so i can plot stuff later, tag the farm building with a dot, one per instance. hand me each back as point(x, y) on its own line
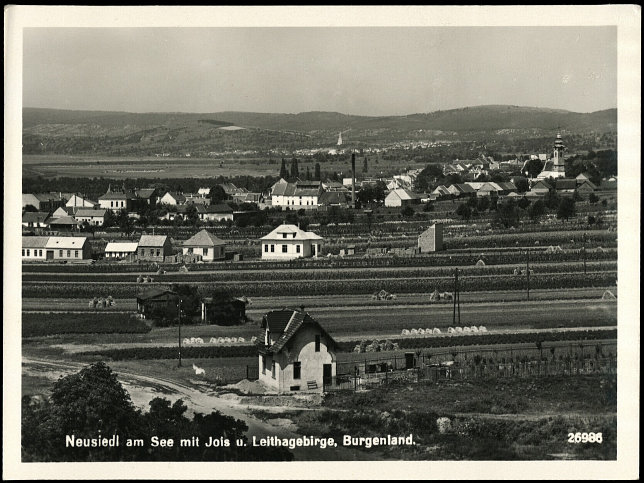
point(223, 310)
point(43, 201)
point(219, 212)
point(154, 248)
point(122, 250)
point(34, 247)
point(564, 185)
point(586, 188)
point(287, 242)
point(431, 240)
point(295, 352)
point(64, 223)
point(35, 219)
point(334, 198)
point(93, 217)
point(206, 245)
point(68, 248)
point(541, 188)
point(196, 199)
point(147, 196)
point(401, 197)
point(157, 302)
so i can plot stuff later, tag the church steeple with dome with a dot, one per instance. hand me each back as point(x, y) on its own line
point(555, 167)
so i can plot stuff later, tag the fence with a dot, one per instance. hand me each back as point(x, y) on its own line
point(467, 371)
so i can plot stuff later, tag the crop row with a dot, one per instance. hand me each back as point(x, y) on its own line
point(494, 339)
point(329, 287)
point(42, 324)
point(330, 274)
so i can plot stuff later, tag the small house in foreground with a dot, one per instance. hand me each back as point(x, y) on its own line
point(295, 352)
point(206, 245)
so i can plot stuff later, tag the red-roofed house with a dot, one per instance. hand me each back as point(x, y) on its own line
point(295, 352)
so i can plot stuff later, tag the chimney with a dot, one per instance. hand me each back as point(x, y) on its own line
point(353, 180)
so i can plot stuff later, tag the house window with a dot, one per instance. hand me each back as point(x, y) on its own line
point(297, 248)
point(266, 248)
point(297, 370)
point(60, 253)
point(263, 364)
point(284, 248)
point(40, 253)
point(69, 253)
point(28, 253)
point(273, 369)
point(76, 253)
point(158, 252)
point(111, 204)
point(272, 248)
point(142, 252)
point(205, 252)
point(317, 343)
point(23, 252)
point(284, 235)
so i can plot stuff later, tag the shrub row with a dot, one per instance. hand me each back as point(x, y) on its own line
point(329, 287)
point(42, 324)
point(147, 353)
point(330, 274)
point(493, 339)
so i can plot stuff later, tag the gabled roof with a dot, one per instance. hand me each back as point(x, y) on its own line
point(71, 242)
point(63, 220)
point(276, 234)
point(34, 241)
point(589, 184)
point(465, 188)
point(145, 193)
point(333, 198)
point(219, 208)
point(176, 196)
point(404, 194)
point(152, 240)
point(583, 176)
point(288, 322)
point(34, 217)
point(542, 184)
point(203, 239)
point(155, 292)
point(566, 184)
point(118, 195)
point(86, 212)
point(121, 247)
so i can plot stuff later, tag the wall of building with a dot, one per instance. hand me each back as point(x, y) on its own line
point(213, 253)
point(291, 249)
point(431, 240)
point(34, 253)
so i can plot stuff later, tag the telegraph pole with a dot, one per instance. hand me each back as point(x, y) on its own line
point(457, 300)
point(179, 332)
point(584, 253)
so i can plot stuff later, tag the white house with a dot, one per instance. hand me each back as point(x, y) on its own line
point(205, 244)
point(34, 248)
point(172, 198)
point(93, 217)
point(302, 194)
point(287, 242)
point(295, 352)
point(121, 249)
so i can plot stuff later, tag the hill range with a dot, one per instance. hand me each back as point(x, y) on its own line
point(54, 131)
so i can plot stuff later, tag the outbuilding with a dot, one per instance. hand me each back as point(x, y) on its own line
point(206, 245)
point(154, 248)
point(287, 242)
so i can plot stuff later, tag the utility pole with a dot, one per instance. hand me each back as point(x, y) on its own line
point(527, 271)
point(179, 332)
point(457, 300)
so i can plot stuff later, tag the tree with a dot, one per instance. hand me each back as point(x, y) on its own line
point(533, 167)
point(521, 183)
point(523, 203)
point(464, 211)
point(109, 219)
point(407, 211)
point(365, 166)
point(124, 222)
point(191, 215)
point(217, 194)
point(593, 198)
point(316, 174)
point(508, 213)
point(283, 171)
point(308, 174)
point(566, 208)
point(482, 203)
point(30, 209)
point(295, 172)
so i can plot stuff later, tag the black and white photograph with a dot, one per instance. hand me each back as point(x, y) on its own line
point(322, 242)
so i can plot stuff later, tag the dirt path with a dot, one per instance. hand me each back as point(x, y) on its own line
point(143, 388)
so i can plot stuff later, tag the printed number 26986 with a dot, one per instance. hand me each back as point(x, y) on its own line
point(585, 438)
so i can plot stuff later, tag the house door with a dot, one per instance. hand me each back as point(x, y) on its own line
point(409, 360)
point(50, 254)
point(313, 249)
point(327, 374)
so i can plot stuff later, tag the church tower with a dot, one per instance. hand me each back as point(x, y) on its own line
point(558, 164)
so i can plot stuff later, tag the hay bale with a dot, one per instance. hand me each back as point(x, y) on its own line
point(608, 295)
point(459, 330)
point(437, 330)
point(421, 331)
point(474, 328)
point(435, 296)
point(213, 340)
point(414, 332)
point(404, 332)
point(450, 330)
point(466, 329)
point(482, 328)
point(480, 263)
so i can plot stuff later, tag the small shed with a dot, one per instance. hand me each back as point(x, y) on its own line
point(156, 302)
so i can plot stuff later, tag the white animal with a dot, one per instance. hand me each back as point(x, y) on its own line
point(405, 332)
point(482, 329)
point(199, 370)
point(451, 330)
point(213, 340)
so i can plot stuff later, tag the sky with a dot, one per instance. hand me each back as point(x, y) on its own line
point(373, 71)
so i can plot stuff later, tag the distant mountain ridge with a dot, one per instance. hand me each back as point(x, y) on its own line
point(54, 131)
